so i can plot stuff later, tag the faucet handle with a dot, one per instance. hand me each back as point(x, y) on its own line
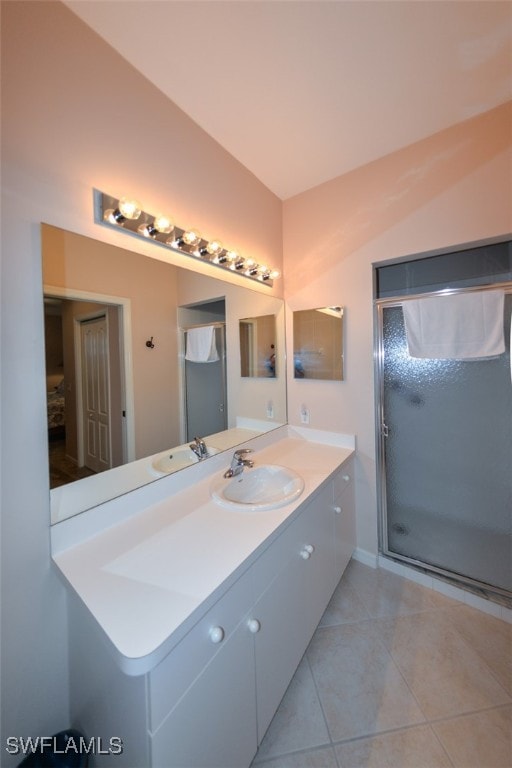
point(242, 452)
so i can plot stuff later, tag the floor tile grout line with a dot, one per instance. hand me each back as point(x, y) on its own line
point(293, 752)
point(471, 713)
point(319, 698)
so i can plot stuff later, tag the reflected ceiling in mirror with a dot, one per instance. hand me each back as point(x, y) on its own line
point(116, 325)
point(318, 343)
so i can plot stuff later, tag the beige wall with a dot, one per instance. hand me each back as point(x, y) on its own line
point(452, 188)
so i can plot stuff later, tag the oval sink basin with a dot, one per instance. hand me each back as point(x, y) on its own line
point(266, 487)
point(175, 459)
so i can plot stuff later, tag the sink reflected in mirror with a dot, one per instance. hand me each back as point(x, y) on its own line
point(176, 458)
point(265, 487)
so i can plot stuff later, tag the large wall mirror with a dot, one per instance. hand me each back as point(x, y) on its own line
point(142, 357)
point(318, 343)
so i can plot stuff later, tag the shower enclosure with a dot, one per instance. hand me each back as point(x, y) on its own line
point(445, 443)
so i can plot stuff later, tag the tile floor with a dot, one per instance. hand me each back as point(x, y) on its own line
point(397, 676)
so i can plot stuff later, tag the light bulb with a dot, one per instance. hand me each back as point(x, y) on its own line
point(232, 255)
point(163, 224)
point(275, 274)
point(214, 247)
point(191, 237)
point(129, 209)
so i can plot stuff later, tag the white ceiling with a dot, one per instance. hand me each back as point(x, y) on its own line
point(301, 91)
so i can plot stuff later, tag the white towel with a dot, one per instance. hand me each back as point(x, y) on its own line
point(456, 326)
point(201, 347)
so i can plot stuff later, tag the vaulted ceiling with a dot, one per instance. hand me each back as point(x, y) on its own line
point(302, 91)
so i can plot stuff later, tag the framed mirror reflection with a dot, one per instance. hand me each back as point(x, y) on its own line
point(318, 343)
point(141, 358)
point(258, 347)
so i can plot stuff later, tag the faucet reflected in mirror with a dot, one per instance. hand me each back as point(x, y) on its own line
point(198, 446)
point(111, 405)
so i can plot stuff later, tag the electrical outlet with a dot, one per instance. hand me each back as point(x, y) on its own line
point(270, 410)
point(304, 414)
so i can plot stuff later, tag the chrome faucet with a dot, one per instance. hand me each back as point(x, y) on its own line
point(238, 462)
point(198, 446)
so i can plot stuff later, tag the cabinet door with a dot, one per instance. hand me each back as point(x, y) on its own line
point(290, 608)
point(281, 639)
point(214, 723)
point(344, 517)
point(320, 569)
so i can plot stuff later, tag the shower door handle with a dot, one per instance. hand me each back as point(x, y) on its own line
point(384, 429)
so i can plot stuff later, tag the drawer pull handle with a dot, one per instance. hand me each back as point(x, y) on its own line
point(254, 626)
point(216, 634)
point(346, 478)
point(307, 551)
point(337, 510)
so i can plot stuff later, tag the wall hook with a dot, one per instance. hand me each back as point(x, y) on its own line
point(149, 343)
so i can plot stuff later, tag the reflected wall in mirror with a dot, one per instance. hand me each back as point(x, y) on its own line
point(258, 347)
point(318, 343)
point(117, 406)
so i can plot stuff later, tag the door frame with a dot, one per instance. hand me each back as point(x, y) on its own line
point(125, 326)
point(381, 427)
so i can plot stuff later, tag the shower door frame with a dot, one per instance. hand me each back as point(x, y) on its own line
point(381, 434)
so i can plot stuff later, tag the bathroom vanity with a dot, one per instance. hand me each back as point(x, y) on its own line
point(188, 619)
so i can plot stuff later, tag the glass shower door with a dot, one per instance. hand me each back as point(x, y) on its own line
point(447, 459)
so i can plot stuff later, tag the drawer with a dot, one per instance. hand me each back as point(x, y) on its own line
point(344, 479)
point(174, 675)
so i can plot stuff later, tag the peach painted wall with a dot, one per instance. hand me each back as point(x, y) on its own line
point(452, 188)
point(75, 115)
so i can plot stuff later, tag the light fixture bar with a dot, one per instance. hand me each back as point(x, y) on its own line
point(127, 215)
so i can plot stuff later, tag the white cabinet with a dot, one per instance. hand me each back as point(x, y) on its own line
point(210, 701)
point(344, 515)
point(205, 683)
point(214, 724)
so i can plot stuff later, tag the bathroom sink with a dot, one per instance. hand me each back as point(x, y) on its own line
point(175, 458)
point(265, 487)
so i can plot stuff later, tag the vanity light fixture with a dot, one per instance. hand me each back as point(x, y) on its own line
point(127, 214)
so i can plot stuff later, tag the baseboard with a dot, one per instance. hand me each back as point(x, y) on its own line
point(445, 588)
point(367, 558)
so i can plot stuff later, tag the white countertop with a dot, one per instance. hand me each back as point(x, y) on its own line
point(148, 578)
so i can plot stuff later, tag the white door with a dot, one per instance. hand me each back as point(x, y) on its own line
point(95, 390)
